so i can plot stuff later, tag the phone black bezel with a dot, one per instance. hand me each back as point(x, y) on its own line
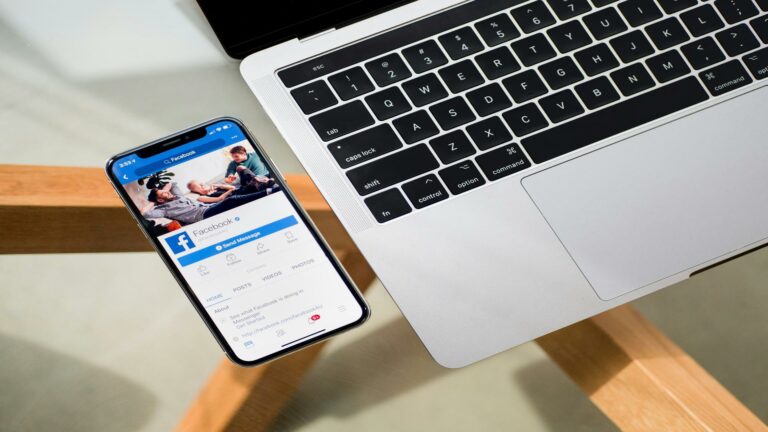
point(187, 135)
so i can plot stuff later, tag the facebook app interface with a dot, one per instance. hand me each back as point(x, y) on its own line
point(238, 242)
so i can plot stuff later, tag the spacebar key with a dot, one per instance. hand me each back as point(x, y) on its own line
point(613, 120)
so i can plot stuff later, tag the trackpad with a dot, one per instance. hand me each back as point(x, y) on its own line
point(664, 201)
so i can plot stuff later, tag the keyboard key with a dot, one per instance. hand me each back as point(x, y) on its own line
point(460, 43)
point(632, 46)
point(525, 119)
point(461, 76)
point(388, 70)
point(632, 79)
point(639, 12)
point(567, 9)
point(489, 99)
point(737, 40)
point(604, 23)
point(497, 29)
point(392, 169)
point(667, 33)
point(561, 106)
point(597, 92)
point(452, 113)
point(415, 127)
point(672, 6)
point(364, 146)
point(525, 86)
point(502, 162)
point(461, 177)
point(341, 121)
point(763, 4)
point(497, 63)
point(388, 205)
point(452, 147)
point(533, 16)
point(351, 83)
point(425, 89)
point(605, 123)
point(725, 77)
point(533, 49)
point(313, 97)
point(667, 66)
point(760, 26)
point(757, 62)
point(736, 10)
point(489, 133)
point(425, 191)
point(561, 72)
point(596, 59)
point(569, 36)
point(601, 3)
point(702, 20)
point(703, 53)
point(388, 103)
point(424, 56)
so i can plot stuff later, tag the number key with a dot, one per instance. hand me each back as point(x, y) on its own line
point(351, 83)
point(424, 56)
point(566, 9)
point(460, 43)
point(497, 29)
point(388, 69)
point(533, 17)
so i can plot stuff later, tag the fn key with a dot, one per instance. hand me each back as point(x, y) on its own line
point(388, 205)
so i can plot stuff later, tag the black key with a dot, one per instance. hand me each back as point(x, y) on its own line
point(601, 3)
point(569, 36)
point(596, 59)
point(525, 119)
point(425, 191)
point(703, 53)
point(425, 89)
point(392, 169)
point(424, 56)
point(388, 205)
point(639, 12)
point(725, 77)
point(351, 83)
point(533, 16)
point(760, 25)
point(460, 43)
point(497, 63)
point(632, 46)
point(365, 146)
point(757, 62)
point(341, 121)
point(702, 20)
point(525, 86)
point(597, 92)
point(461, 76)
point(672, 6)
point(667, 33)
point(388, 69)
point(313, 97)
point(604, 23)
point(561, 72)
point(415, 127)
point(503, 161)
point(388, 103)
point(497, 29)
point(561, 106)
point(489, 133)
point(737, 40)
point(736, 10)
point(667, 66)
point(632, 79)
point(452, 113)
point(533, 49)
point(567, 9)
point(489, 99)
point(615, 119)
point(452, 147)
point(763, 4)
point(461, 177)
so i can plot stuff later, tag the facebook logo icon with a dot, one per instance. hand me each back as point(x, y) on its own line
point(180, 243)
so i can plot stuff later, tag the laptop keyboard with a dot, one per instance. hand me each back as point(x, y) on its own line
point(488, 89)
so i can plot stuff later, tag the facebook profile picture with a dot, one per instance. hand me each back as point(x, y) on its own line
point(180, 243)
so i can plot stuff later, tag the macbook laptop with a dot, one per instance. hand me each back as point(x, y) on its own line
point(510, 167)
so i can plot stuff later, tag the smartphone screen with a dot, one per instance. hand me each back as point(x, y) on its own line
point(238, 242)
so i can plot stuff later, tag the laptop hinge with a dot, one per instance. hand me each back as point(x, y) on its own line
point(318, 34)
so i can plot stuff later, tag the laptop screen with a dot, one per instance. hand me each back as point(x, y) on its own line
point(245, 27)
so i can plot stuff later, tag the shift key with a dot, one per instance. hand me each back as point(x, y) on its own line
point(341, 121)
point(392, 169)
